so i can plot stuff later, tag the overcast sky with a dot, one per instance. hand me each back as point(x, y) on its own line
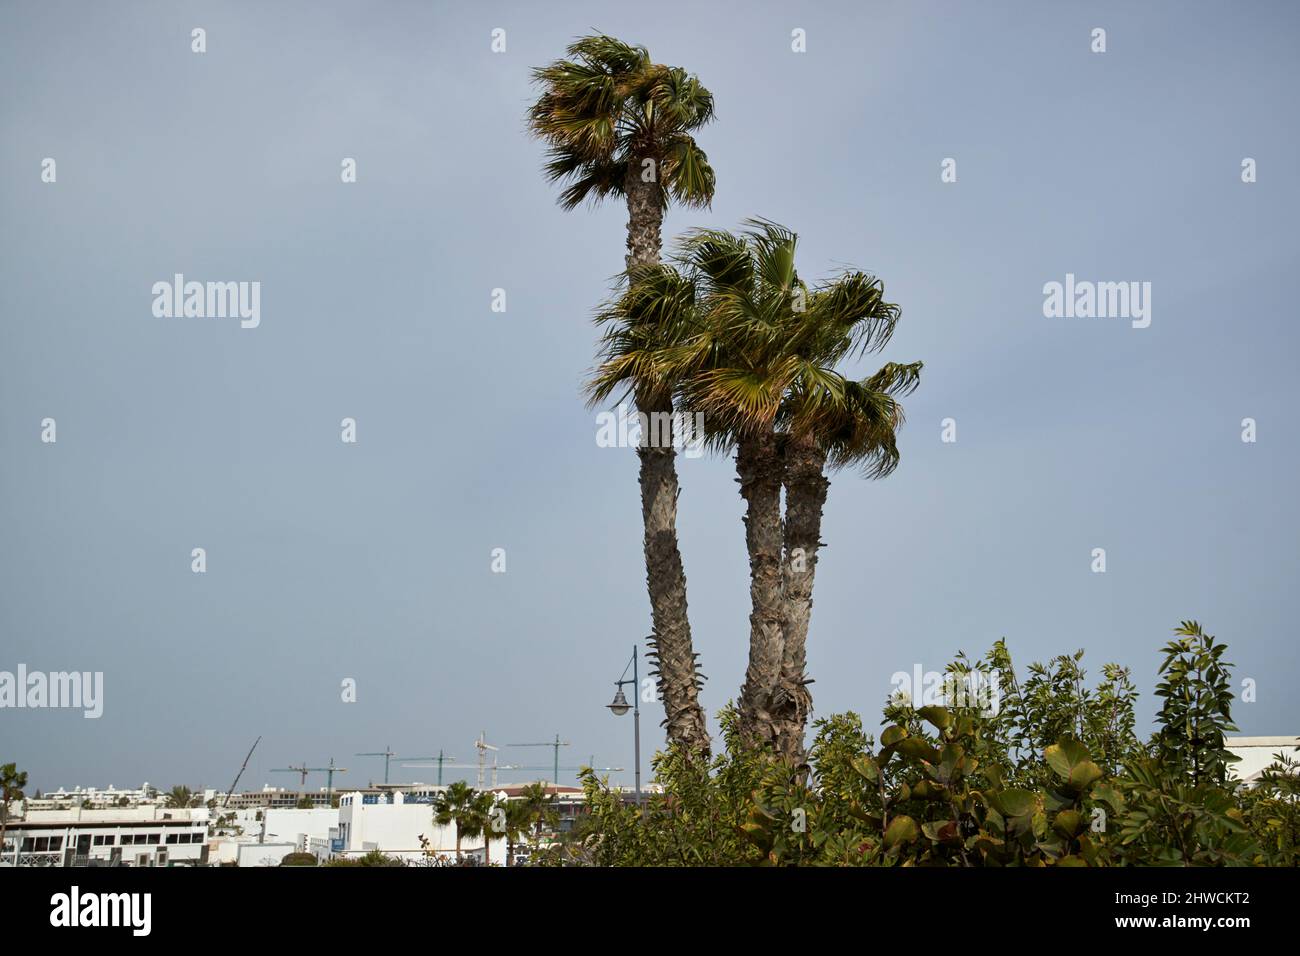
point(372, 561)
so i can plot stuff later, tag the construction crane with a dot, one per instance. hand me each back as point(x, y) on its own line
point(304, 770)
point(386, 753)
point(483, 747)
point(557, 744)
point(558, 769)
point(511, 767)
point(331, 770)
point(441, 758)
point(242, 768)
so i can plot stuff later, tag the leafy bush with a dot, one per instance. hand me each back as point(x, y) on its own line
point(372, 858)
point(1053, 776)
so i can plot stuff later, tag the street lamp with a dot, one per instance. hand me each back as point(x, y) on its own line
point(619, 707)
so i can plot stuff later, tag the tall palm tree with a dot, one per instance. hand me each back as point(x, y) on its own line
point(453, 807)
point(478, 822)
point(750, 344)
point(733, 366)
point(536, 808)
point(618, 124)
point(518, 824)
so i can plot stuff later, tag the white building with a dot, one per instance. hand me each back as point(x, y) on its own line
point(109, 796)
point(114, 836)
point(393, 824)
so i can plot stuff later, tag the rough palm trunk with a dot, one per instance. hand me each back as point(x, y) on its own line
point(759, 471)
point(672, 653)
point(805, 495)
point(645, 214)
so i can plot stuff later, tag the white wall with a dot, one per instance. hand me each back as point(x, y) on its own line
point(1256, 753)
point(298, 826)
point(264, 854)
point(395, 829)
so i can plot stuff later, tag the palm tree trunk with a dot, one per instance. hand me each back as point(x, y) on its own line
point(645, 215)
point(672, 652)
point(759, 471)
point(805, 495)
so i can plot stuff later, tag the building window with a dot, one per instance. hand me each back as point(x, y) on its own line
point(173, 837)
point(154, 838)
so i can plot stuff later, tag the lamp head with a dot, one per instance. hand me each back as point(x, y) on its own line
point(620, 705)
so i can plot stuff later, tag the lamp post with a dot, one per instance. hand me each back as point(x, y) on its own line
point(620, 707)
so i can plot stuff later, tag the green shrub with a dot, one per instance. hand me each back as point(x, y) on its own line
point(1053, 776)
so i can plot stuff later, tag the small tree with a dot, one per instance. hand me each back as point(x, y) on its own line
point(12, 782)
point(1197, 711)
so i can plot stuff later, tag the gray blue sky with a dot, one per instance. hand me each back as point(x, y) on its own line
point(328, 561)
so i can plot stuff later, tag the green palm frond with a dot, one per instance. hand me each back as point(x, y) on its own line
point(721, 331)
point(609, 105)
point(687, 174)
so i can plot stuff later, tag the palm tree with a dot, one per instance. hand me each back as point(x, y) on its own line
point(479, 821)
point(743, 339)
point(640, 322)
point(733, 366)
point(180, 797)
point(12, 782)
point(618, 124)
point(525, 815)
point(452, 807)
point(518, 823)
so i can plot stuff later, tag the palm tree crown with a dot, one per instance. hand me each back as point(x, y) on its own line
point(607, 109)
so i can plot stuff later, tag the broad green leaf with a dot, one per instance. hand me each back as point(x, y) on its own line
point(902, 829)
point(1014, 802)
point(892, 735)
point(939, 716)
